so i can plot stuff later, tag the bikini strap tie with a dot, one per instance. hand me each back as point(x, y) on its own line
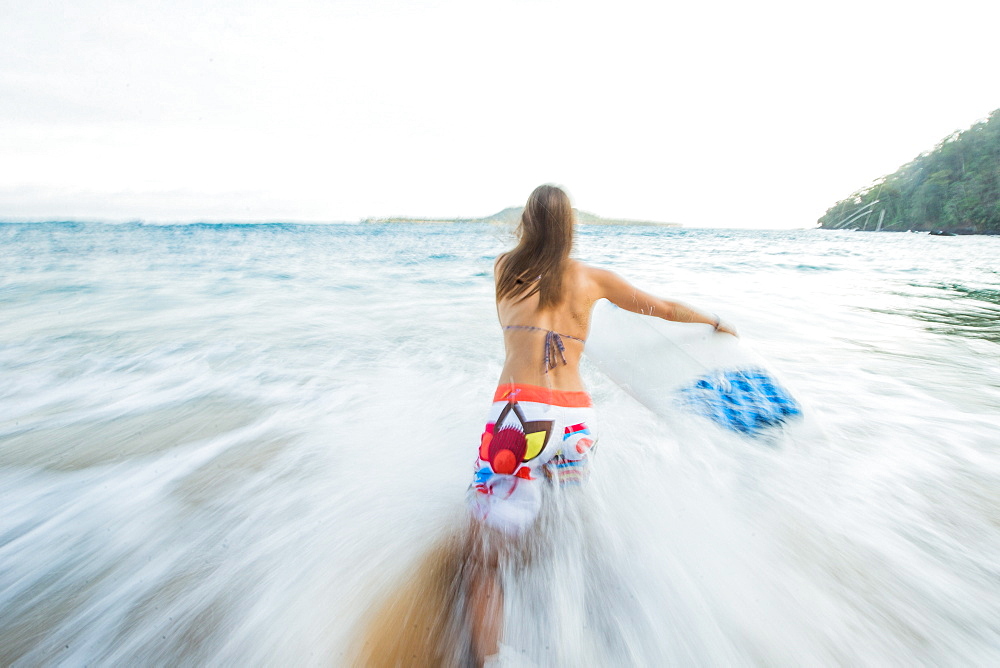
point(554, 345)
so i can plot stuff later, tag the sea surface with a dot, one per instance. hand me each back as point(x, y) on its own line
point(220, 444)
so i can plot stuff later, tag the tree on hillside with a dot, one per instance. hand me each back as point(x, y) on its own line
point(954, 187)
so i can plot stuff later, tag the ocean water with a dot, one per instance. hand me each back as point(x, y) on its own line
point(219, 444)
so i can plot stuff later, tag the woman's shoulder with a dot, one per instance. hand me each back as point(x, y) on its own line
point(585, 271)
point(583, 278)
point(499, 262)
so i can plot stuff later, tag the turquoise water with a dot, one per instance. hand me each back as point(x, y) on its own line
point(219, 442)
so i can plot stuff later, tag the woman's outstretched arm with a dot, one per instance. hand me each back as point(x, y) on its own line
point(619, 291)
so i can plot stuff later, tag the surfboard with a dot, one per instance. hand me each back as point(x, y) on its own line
point(669, 365)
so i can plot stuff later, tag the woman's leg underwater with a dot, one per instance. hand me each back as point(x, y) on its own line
point(485, 592)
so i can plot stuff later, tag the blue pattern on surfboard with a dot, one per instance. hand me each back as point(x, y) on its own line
point(744, 400)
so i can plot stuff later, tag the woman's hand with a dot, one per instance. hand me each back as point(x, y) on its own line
point(726, 328)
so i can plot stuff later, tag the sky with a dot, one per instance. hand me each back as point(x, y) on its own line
point(711, 114)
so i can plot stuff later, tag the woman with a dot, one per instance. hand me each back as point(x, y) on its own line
point(539, 432)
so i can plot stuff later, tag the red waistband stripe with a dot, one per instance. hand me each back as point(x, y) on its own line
point(542, 395)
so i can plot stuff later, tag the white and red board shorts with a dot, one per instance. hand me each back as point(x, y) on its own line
point(534, 436)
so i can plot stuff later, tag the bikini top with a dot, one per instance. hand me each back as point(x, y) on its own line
point(553, 344)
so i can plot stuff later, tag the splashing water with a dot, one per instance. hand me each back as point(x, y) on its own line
point(223, 444)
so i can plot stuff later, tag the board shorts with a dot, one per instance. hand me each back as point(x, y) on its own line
point(535, 439)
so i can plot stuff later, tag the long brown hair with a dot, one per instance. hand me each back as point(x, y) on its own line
point(545, 239)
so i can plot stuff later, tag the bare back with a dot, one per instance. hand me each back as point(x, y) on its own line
point(525, 362)
point(525, 325)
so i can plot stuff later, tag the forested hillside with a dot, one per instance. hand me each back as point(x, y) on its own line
point(953, 188)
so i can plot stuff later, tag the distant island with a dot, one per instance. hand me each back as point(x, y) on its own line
point(512, 215)
point(952, 189)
